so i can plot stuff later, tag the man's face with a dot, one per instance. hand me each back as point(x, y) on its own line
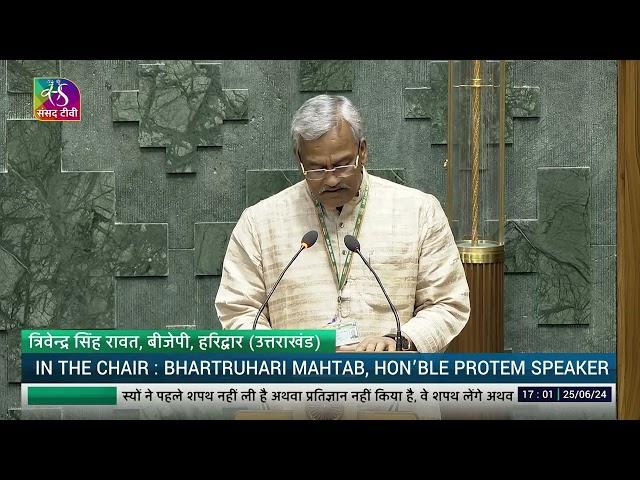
point(335, 148)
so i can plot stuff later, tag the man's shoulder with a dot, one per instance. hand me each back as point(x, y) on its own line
point(292, 195)
point(403, 192)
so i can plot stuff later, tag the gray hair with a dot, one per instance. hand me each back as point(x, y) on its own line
point(320, 114)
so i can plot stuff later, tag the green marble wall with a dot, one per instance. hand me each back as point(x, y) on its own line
point(122, 220)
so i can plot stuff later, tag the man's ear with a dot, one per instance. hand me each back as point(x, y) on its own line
point(364, 152)
point(296, 157)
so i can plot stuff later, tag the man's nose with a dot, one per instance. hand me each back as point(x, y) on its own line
point(331, 179)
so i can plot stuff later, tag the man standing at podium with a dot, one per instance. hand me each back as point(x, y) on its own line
point(403, 233)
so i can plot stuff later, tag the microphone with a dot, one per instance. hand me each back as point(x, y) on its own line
point(353, 244)
point(308, 240)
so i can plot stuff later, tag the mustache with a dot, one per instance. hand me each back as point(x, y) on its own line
point(328, 189)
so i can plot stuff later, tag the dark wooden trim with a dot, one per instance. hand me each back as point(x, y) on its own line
point(628, 233)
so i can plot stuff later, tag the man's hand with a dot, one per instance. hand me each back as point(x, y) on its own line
point(371, 344)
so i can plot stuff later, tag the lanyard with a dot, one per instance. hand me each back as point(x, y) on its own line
point(341, 279)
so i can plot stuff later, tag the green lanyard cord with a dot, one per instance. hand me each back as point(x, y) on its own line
point(342, 280)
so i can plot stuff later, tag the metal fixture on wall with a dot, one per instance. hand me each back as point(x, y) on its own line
point(475, 194)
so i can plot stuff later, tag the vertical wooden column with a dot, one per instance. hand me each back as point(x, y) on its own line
point(484, 331)
point(628, 233)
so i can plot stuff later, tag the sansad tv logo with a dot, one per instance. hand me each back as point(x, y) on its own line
point(56, 100)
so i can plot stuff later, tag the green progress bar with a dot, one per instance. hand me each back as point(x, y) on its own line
point(73, 396)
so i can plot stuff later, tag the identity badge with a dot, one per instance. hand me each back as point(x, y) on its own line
point(346, 334)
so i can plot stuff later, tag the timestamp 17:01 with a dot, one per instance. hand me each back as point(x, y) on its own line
point(564, 394)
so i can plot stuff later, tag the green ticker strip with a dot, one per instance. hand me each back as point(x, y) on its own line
point(73, 395)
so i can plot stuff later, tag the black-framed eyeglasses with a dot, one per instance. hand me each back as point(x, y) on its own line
point(342, 171)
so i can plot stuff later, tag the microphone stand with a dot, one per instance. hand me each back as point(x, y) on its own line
point(255, 322)
point(393, 308)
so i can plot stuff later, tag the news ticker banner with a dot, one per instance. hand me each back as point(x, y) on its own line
point(297, 373)
point(323, 401)
point(177, 341)
point(308, 368)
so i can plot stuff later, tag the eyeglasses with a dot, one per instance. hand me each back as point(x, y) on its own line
point(340, 172)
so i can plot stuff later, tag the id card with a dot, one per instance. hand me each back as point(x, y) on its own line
point(346, 332)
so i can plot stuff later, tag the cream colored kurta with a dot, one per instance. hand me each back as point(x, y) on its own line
point(404, 235)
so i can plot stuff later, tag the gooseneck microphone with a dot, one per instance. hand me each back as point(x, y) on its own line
point(353, 244)
point(307, 242)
